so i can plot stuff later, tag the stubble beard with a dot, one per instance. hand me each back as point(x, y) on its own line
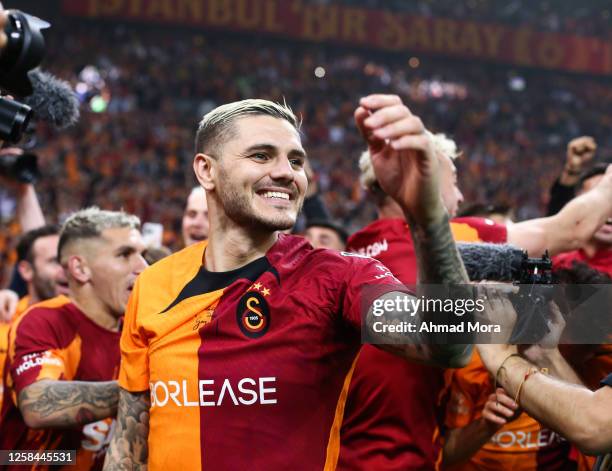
point(239, 209)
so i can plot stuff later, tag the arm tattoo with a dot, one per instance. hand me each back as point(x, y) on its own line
point(439, 263)
point(128, 449)
point(68, 403)
point(438, 260)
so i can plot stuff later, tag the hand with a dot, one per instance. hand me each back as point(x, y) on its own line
point(16, 187)
point(499, 410)
point(580, 152)
point(8, 304)
point(547, 347)
point(403, 159)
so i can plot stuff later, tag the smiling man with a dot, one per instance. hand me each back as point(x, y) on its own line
point(249, 339)
point(64, 352)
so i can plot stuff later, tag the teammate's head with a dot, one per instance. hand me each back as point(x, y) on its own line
point(250, 160)
point(38, 265)
point(195, 217)
point(587, 182)
point(323, 234)
point(446, 151)
point(101, 252)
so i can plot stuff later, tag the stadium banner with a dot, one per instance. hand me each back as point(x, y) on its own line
point(379, 29)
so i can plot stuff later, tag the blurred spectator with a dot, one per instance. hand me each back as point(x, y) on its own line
point(325, 234)
point(195, 217)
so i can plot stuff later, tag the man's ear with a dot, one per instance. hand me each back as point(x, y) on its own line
point(205, 168)
point(26, 270)
point(78, 268)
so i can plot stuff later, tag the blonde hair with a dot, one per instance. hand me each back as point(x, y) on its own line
point(217, 125)
point(89, 223)
point(442, 145)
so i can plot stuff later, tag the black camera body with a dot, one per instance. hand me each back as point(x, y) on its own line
point(24, 50)
point(536, 290)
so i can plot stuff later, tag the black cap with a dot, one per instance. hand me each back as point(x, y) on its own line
point(342, 233)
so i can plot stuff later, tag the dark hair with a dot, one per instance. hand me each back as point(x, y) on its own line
point(479, 209)
point(27, 240)
point(597, 169)
point(337, 228)
point(581, 274)
point(89, 223)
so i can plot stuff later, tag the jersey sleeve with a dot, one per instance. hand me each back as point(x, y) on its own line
point(607, 380)
point(486, 229)
point(134, 370)
point(469, 390)
point(365, 280)
point(37, 351)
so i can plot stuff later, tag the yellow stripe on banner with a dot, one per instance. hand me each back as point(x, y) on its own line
point(333, 445)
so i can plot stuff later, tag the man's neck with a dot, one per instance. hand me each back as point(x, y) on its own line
point(32, 296)
point(234, 247)
point(90, 305)
point(390, 210)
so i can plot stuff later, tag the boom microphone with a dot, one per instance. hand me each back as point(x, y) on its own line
point(52, 100)
point(494, 262)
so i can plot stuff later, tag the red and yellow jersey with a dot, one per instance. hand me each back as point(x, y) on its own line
point(601, 261)
point(247, 369)
point(394, 407)
point(54, 340)
point(522, 444)
point(22, 306)
point(389, 240)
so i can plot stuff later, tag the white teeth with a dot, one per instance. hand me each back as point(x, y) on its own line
point(276, 194)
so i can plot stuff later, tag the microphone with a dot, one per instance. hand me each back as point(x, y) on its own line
point(494, 262)
point(52, 100)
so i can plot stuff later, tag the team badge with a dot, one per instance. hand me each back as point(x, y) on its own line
point(253, 314)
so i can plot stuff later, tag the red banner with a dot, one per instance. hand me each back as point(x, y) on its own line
point(363, 27)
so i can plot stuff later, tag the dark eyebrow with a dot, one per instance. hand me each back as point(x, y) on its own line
point(274, 150)
point(125, 249)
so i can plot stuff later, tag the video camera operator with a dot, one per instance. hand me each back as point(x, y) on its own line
point(582, 416)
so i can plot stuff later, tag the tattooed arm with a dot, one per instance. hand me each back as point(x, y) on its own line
point(439, 263)
point(129, 447)
point(49, 403)
point(406, 167)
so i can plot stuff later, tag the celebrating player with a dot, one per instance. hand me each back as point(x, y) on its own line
point(250, 338)
point(64, 352)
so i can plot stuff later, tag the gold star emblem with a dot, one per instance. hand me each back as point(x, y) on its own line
point(257, 286)
point(265, 291)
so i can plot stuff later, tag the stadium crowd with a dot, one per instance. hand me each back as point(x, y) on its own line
point(70, 383)
point(507, 123)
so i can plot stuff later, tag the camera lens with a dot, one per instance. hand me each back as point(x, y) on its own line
point(14, 119)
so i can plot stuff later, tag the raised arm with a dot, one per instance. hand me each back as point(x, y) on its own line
point(569, 229)
point(128, 449)
point(406, 168)
point(49, 403)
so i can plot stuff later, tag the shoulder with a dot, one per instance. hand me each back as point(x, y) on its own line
point(183, 264)
point(473, 229)
point(45, 322)
point(294, 255)
point(376, 233)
